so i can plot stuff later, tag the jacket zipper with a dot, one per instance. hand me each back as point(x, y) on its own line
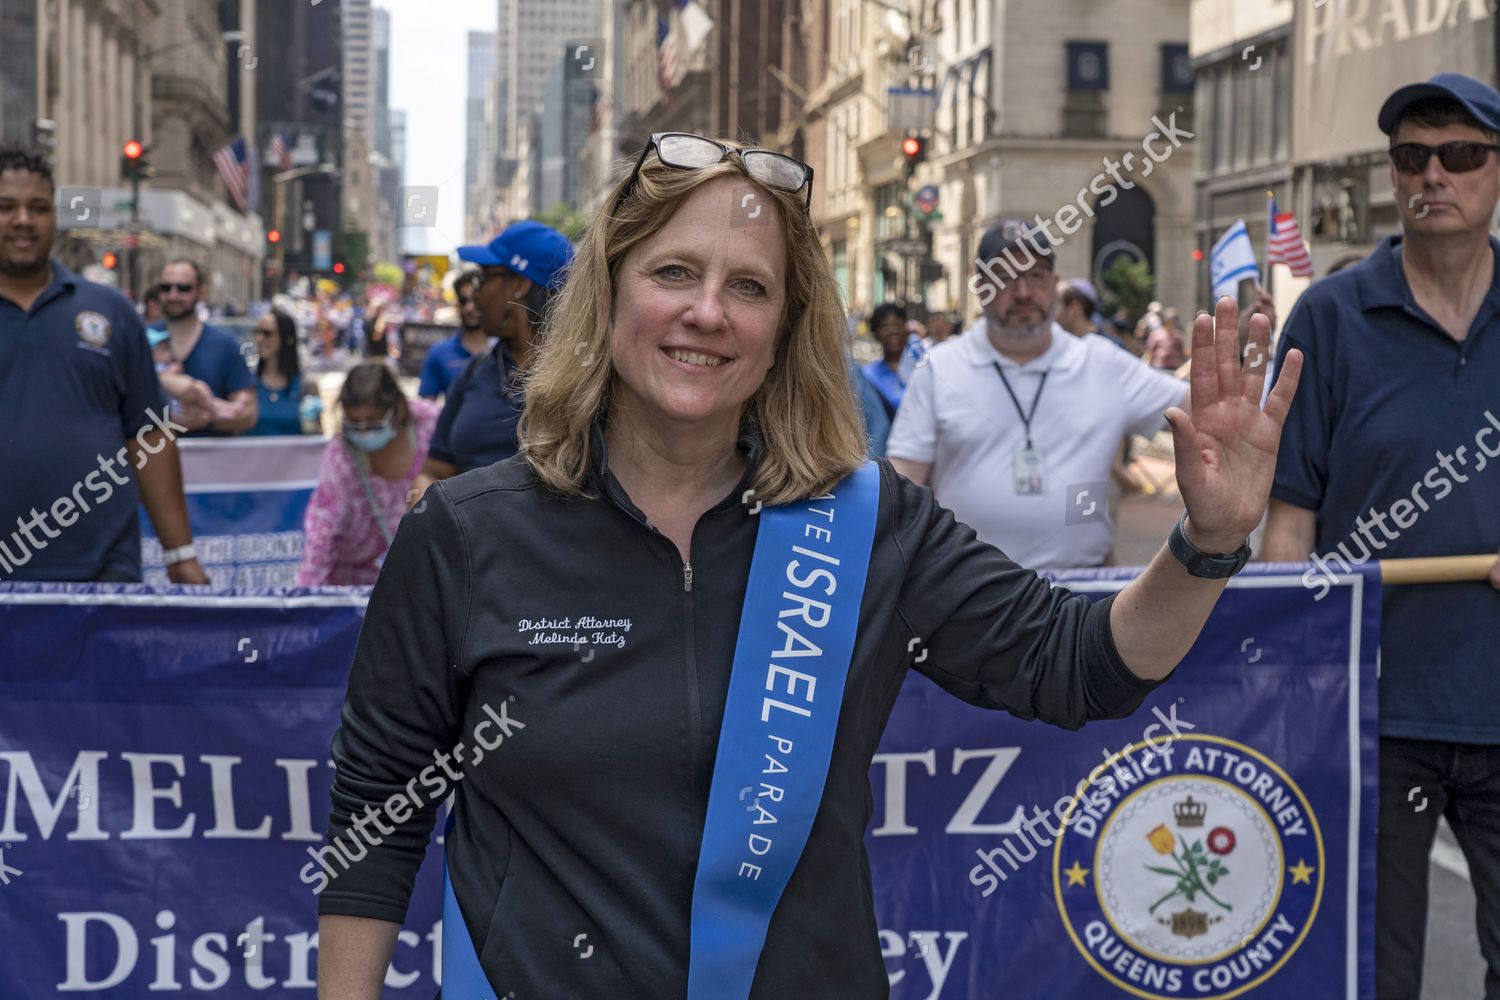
point(695, 713)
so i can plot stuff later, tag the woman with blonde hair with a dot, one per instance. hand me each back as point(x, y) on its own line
point(654, 652)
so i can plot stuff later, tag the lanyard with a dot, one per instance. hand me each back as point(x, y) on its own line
point(1025, 417)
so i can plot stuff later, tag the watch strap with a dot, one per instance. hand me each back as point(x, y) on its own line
point(1207, 565)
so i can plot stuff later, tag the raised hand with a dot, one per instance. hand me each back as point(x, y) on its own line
point(1226, 451)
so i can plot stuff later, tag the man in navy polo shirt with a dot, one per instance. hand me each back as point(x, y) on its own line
point(448, 358)
point(521, 270)
point(207, 353)
point(1390, 450)
point(84, 432)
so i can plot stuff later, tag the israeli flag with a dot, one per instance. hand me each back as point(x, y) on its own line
point(912, 358)
point(1233, 259)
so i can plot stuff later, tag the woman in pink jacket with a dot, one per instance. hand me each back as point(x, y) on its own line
point(368, 471)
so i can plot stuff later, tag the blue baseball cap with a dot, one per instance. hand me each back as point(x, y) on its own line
point(154, 335)
point(1478, 99)
point(530, 249)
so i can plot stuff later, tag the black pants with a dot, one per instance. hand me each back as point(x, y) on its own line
point(1460, 781)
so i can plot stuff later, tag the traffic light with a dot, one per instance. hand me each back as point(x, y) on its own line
point(274, 236)
point(338, 267)
point(914, 148)
point(134, 166)
point(111, 260)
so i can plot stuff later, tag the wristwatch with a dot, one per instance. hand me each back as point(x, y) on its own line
point(180, 554)
point(1207, 565)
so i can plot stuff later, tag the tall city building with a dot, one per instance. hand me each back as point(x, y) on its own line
point(380, 80)
point(299, 89)
point(363, 212)
point(480, 146)
point(535, 32)
point(1021, 108)
point(358, 71)
point(398, 141)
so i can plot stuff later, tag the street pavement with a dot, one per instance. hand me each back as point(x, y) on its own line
point(1452, 969)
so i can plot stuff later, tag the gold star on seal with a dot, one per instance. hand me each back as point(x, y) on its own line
point(1301, 873)
point(1077, 874)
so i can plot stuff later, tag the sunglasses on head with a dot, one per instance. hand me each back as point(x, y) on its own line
point(1456, 157)
point(167, 287)
point(686, 151)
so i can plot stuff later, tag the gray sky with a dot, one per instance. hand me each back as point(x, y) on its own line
point(429, 78)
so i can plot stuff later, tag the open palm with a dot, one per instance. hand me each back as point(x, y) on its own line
point(1226, 450)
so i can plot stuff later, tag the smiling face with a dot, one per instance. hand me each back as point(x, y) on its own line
point(697, 312)
point(27, 222)
point(1435, 202)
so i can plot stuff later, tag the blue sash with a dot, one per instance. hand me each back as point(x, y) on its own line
point(797, 634)
point(463, 979)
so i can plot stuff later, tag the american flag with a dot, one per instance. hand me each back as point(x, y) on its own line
point(1284, 243)
point(233, 163)
point(599, 108)
point(281, 151)
point(666, 57)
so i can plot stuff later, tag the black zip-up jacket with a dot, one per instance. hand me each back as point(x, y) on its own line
point(588, 819)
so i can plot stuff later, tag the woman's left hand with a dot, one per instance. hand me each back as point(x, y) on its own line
point(1226, 450)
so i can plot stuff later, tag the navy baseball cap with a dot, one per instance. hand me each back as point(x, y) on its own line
point(1015, 235)
point(1479, 99)
point(530, 249)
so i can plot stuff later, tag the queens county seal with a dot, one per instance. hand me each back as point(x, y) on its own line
point(93, 329)
point(1197, 877)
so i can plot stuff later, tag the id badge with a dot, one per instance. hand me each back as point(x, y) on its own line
point(1029, 471)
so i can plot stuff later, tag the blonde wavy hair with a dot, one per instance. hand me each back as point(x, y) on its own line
point(804, 411)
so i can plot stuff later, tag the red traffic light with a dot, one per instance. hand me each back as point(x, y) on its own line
point(110, 261)
point(911, 146)
point(1197, 254)
point(338, 267)
point(274, 236)
point(134, 150)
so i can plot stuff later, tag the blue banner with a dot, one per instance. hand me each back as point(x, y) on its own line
point(1219, 842)
point(165, 774)
point(246, 498)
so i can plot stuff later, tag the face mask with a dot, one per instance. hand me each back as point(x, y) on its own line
point(368, 441)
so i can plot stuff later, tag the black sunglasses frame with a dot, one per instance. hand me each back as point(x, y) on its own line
point(168, 287)
point(1443, 151)
point(656, 137)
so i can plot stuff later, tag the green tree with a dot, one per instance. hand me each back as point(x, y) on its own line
point(565, 219)
point(1129, 283)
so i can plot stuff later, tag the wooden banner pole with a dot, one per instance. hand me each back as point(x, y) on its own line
point(1436, 569)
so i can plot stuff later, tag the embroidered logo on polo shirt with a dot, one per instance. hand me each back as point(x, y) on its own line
point(93, 329)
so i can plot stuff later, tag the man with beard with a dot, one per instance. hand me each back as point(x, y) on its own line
point(447, 360)
point(1016, 422)
point(84, 433)
point(207, 353)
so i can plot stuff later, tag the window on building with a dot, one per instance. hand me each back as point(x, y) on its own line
point(841, 268)
point(1207, 90)
point(889, 221)
point(1084, 112)
point(1224, 119)
point(1177, 81)
point(1246, 101)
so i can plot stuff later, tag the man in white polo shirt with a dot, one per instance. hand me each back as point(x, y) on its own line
point(1015, 423)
